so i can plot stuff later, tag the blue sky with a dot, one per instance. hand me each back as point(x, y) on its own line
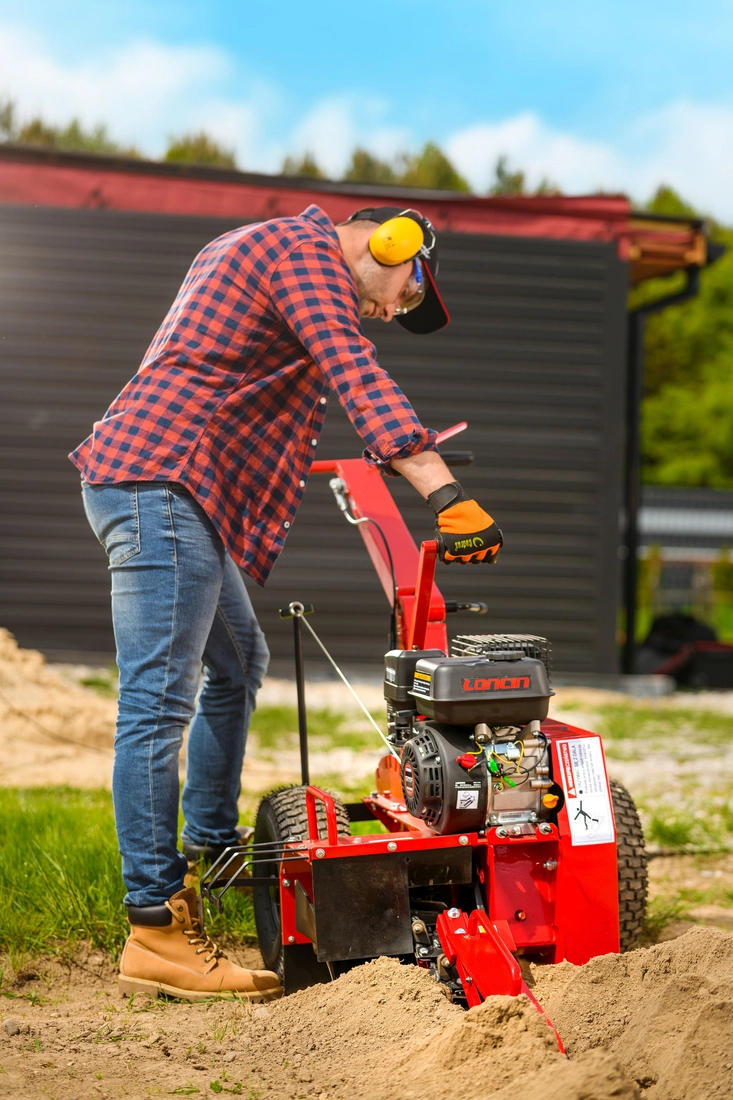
point(613, 95)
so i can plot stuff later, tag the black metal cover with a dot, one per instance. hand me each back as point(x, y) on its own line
point(399, 672)
point(532, 359)
point(466, 690)
point(361, 907)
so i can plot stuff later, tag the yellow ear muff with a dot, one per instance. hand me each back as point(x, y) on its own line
point(396, 241)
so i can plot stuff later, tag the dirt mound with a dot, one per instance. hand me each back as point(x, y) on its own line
point(386, 1031)
point(665, 1012)
point(656, 1023)
point(39, 713)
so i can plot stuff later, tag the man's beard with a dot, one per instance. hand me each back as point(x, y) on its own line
point(367, 286)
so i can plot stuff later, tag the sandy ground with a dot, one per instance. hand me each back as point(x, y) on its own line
point(657, 1023)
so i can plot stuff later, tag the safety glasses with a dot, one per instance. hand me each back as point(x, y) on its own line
point(414, 292)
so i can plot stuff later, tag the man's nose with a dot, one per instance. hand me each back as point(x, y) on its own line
point(389, 311)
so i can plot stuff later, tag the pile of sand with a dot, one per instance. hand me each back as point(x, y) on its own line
point(656, 1023)
point(50, 731)
point(666, 1013)
point(386, 1031)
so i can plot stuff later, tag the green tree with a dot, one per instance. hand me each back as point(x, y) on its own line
point(431, 169)
point(687, 415)
point(669, 204)
point(72, 137)
point(507, 182)
point(366, 168)
point(305, 166)
point(199, 148)
point(8, 126)
point(687, 431)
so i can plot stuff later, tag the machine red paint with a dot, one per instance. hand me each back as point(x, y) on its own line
point(540, 886)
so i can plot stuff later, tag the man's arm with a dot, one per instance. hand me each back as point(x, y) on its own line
point(318, 303)
point(426, 471)
point(315, 296)
point(465, 532)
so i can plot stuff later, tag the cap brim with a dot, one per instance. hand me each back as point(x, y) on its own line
point(431, 314)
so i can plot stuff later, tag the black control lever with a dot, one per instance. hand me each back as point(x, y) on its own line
point(477, 608)
point(457, 458)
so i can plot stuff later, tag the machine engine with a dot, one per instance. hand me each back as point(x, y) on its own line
point(468, 725)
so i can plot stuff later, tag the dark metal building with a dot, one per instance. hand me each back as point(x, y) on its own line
point(533, 359)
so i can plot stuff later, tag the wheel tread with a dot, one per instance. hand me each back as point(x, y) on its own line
point(282, 816)
point(632, 867)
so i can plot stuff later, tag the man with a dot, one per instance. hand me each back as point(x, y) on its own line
point(195, 472)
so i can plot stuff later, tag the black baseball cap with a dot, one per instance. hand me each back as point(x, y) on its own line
point(431, 314)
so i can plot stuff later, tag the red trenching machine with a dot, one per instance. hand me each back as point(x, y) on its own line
point(504, 839)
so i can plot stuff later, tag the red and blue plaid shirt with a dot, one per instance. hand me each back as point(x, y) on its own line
point(230, 397)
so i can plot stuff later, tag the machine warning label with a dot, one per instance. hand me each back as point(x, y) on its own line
point(467, 800)
point(467, 794)
point(421, 684)
point(586, 787)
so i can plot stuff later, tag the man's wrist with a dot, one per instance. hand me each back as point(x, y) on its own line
point(445, 496)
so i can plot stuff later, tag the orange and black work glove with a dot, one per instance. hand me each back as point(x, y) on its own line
point(465, 532)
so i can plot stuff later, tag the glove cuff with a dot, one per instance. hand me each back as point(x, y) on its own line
point(443, 498)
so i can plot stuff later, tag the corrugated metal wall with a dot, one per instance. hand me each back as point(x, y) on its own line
point(533, 360)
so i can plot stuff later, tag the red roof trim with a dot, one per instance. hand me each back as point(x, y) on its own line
point(63, 180)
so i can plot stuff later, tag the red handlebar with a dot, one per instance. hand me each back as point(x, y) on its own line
point(313, 794)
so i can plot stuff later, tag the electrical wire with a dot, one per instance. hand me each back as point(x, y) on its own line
point(340, 674)
point(338, 487)
point(393, 612)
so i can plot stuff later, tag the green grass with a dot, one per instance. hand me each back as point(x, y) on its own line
point(103, 681)
point(689, 821)
point(60, 872)
point(622, 721)
point(661, 912)
point(276, 727)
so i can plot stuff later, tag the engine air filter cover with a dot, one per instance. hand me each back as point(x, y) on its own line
point(489, 645)
point(467, 690)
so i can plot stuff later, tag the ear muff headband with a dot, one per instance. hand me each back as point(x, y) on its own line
point(396, 241)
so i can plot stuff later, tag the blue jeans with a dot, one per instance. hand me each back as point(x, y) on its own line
point(178, 601)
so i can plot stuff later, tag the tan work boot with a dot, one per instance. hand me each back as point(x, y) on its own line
point(168, 951)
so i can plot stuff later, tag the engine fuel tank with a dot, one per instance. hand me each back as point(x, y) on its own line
point(466, 690)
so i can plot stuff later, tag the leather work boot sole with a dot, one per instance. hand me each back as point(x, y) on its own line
point(128, 986)
point(168, 952)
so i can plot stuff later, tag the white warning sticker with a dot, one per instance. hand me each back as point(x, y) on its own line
point(467, 800)
point(588, 801)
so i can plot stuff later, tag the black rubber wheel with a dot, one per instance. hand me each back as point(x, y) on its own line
point(632, 867)
point(282, 816)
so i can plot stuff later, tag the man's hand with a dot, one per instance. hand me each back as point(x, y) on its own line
point(465, 532)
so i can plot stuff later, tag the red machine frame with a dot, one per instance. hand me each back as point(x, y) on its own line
point(543, 895)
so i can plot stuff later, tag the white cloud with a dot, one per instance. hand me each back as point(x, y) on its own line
point(528, 144)
point(687, 145)
point(145, 92)
point(142, 91)
point(336, 125)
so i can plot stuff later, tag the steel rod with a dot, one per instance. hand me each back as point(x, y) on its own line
point(300, 686)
